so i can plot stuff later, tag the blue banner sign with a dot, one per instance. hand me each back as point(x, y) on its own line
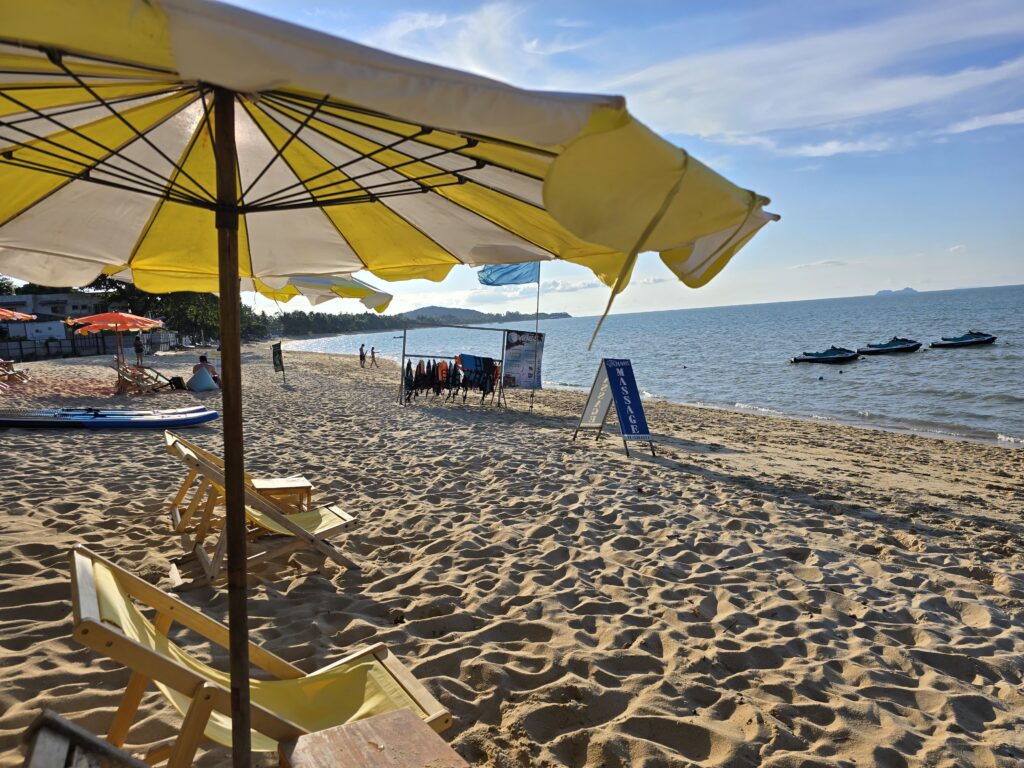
point(630, 410)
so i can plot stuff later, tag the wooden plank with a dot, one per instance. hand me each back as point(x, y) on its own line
point(437, 716)
point(84, 750)
point(85, 606)
point(391, 740)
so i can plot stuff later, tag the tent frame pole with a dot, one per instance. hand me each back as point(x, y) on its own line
point(226, 155)
point(401, 368)
point(536, 341)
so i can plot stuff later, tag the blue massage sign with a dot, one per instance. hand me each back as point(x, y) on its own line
point(615, 383)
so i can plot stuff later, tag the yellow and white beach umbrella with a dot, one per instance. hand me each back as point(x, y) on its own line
point(195, 144)
point(348, 158)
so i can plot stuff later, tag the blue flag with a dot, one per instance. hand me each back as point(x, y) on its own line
point(510, 274)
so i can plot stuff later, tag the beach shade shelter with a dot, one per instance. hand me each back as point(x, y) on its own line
point(318, 289)
point(10, 316)
point(196, 144)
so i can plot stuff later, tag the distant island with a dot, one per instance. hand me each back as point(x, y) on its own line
point(900, 292)
point(457, 316)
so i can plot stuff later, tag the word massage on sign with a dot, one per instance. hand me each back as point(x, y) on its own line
point(631, 419)
point(615, 383)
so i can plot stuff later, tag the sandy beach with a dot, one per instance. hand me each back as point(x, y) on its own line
point(765, 592)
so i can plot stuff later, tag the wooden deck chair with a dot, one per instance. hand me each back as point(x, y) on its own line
point(9, 373)
point(292, 492)
point(153, 377)
point(108, 619)
point(131, 382)
point(275, 530)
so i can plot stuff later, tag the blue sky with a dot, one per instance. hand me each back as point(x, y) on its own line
point(890, 136)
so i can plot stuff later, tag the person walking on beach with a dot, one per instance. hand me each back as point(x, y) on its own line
point(362, 355)
point(139, 349)
point(373, 358)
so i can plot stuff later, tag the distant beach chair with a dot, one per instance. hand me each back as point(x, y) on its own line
point(134, 380)
point(9, 373)
point(267, 517)
point(107, 618)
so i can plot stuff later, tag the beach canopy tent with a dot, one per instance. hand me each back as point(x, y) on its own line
point(317, 290)
point(9, 315)
point(193, 144)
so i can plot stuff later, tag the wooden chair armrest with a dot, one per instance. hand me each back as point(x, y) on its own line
point(370, 650)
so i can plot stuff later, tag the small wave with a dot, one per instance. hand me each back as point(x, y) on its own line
point(757, 408)
point(1010, 440)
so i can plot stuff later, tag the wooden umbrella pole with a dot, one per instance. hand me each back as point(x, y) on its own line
point(231, 381)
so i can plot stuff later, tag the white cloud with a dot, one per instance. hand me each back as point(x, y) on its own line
point(492, 40)
point(756, 92)
point(825, 78)
point(835, 147)
point(1016, 117)
point(408, 24)
point(957, 248)
point(820, 264)
point(568, 286)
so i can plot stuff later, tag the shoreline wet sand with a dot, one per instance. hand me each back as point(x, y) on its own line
point(767, 591)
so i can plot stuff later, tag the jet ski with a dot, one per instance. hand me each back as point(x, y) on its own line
point(894, 345)
point(969, 339)
point(831, 355)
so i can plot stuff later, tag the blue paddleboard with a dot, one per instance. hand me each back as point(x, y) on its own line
point(94, 418)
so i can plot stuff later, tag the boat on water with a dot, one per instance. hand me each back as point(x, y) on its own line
point(94, 418)
point(894, 345)
point(969, 339)
point(831, 355)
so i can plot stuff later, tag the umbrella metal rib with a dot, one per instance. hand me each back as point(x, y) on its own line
point(110, 152)
point(159, 185)
point(58, 60)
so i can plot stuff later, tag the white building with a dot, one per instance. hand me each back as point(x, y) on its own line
point(58, 305)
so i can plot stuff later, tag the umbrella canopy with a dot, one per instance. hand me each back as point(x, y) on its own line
point(9, 315)
point(348, 159)
point(193, 143)
point(115, 321)
point(320, 289)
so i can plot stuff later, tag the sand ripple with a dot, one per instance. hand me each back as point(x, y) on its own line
point(765, 592)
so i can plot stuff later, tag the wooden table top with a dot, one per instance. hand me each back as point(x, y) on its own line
point(393, 740)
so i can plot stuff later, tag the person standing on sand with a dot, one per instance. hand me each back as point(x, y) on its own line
point(362, 355)
point(373, 358)
point(138, 349)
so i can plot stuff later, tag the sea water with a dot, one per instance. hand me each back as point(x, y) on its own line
point(738, 357)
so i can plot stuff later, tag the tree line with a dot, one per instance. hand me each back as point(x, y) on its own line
point(197, 314)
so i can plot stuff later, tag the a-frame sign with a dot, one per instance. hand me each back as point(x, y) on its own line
point(615, 383)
